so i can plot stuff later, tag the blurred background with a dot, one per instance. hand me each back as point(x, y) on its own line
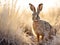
point(16, 18)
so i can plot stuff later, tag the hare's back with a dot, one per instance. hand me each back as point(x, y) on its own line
point(45, 25)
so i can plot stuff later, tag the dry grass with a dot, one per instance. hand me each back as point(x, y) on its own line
point(13, 24)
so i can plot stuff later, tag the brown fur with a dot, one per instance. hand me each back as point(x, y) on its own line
point(40, 27)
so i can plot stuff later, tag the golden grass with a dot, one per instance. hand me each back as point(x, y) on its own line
point(14, 18)
point(12, 22)
point(51, 16)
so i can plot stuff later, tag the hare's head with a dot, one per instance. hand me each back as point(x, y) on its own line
point(35, 14)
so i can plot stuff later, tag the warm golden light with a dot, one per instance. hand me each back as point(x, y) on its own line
point(33, 32)
point(25, 4)
point(46, 4)
point(40, 36)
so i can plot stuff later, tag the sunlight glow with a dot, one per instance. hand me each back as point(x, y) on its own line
point(40, 36)
point(46, 3)
point(25, 3)
point(33, 32)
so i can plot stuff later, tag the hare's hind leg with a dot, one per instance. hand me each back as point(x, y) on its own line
point(37, 37)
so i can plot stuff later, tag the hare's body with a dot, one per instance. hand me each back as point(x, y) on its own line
point(41, 26)
point(41, 29)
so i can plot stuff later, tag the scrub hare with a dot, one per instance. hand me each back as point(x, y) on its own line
point(41, 29)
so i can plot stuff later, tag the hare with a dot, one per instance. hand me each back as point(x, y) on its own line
point(41, 29)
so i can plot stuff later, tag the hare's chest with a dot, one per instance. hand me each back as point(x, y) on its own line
point(35, 24)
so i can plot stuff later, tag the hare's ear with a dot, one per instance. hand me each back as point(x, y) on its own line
point(39, 8)
point(32, 7)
